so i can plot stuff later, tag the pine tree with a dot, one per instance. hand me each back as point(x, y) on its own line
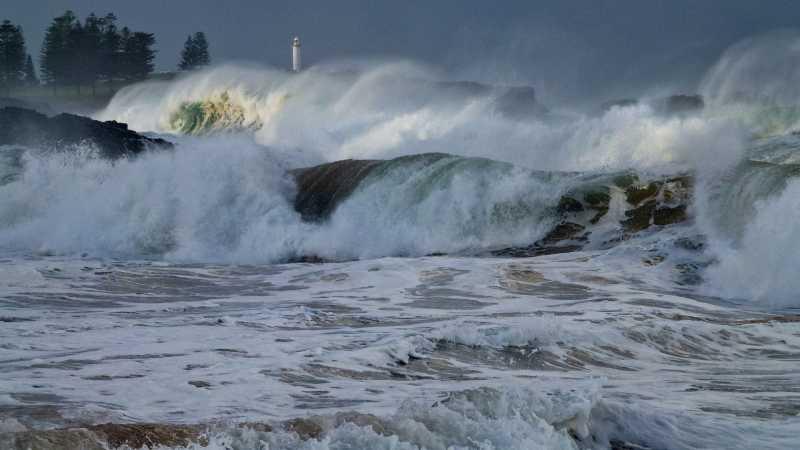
point(187, 55)
point(75, 64)
point(195, 52)
point(83, 54)
point(110, 49)
point(12, 55)
point(137, 54)
point(89, 51)
point(201, 46)
point(30, 77)
point(55, 59)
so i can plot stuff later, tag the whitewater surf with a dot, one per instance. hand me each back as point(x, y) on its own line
point(382, 257)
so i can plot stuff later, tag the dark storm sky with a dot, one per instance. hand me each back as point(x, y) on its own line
point(567, 48)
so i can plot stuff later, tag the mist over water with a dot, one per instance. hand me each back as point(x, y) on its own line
point(224, 195)
point(498, 272)
point(389, 110)
point(392, 109)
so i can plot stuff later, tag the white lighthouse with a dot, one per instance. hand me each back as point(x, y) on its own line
point(296, 54)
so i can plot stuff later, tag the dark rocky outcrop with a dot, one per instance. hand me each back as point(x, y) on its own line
point(321, 188)
point(655, 203)
point(660, 202)
point(161, 435)
point(25, 127)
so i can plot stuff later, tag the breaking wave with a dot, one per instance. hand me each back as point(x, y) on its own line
point(328, 114)
point(468, 168)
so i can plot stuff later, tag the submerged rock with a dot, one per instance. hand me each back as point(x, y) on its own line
point(321, 189)
point(635, 194)
point(149, 435)
point(569, 205)
point(661, 202)
point(25, 127)
point(669, 216)
point(639, 218)
point(105, 436)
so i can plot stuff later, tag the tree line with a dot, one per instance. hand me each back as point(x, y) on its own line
point(16, 65)
point(76, 53)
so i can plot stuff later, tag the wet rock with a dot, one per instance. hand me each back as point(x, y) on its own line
point(626, 180)
point(599, 201)
point(639, 218)
point(305, 428)
point(563, 231)
point(51, 439)
point(569, 205)
point(597, 198)
point(653, 260)
point(688, 274)
point(637, 194)
point(616, 444)
point(149, 435)
point(669, 216)
point(257, 426)
point(692, 244)
point(363, 420)
point(26, 127)
point(309, 259)
point(677, 189)
point(535, 250)
point(321, 188)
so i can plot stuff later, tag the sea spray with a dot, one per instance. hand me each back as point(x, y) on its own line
point(394, 109)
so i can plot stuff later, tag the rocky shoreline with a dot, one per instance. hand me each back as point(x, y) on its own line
point(648, 203)
point(25, 127)
point(161, 435)
point(321, 188)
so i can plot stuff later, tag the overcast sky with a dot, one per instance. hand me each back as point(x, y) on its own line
point(566, 48)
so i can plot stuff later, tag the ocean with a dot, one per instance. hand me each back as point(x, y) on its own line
point(384, 258)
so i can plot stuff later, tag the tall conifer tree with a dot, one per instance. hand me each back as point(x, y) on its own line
point(195, 52)
point(55, 58)
point(12, 55)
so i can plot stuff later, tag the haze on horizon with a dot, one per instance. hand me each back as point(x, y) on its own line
point(570, 50)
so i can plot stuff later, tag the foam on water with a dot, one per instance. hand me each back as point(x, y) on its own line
point(416, 342)
point(762, 265)
point(155, 289)
point(397, 109)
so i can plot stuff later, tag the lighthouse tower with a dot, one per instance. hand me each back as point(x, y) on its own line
point(296, 54)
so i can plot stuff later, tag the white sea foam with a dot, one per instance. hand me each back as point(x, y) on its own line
point(626, 353)
point(762, 266)
point(399, 108)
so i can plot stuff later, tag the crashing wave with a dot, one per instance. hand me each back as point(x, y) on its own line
point(218, 113)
